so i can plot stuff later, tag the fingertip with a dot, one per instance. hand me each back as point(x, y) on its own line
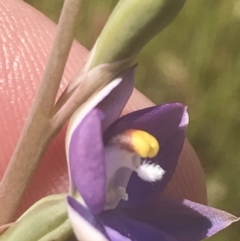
point(26, 38)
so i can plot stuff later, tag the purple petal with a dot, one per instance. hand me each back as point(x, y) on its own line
point(86, 161)
point(183, 219)
point(85, 224)
point(114, 103)
point(168, 124)
point(110, 103)
point(122, 228)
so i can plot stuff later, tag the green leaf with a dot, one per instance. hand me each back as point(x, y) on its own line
point(46, 220)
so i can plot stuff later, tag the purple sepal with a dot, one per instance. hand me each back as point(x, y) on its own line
point(86, 160)
point(167, 123)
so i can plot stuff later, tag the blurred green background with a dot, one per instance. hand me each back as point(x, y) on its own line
point(196, 60)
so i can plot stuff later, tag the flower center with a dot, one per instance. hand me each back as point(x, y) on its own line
point(126, 152)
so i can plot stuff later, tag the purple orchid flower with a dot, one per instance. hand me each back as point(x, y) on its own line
point(119, 165)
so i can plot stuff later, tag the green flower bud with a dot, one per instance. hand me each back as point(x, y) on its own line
point(131, 25)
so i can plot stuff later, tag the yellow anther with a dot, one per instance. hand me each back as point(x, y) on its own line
point(144, 144)
point(138, 141)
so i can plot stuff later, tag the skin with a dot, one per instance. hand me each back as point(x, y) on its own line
point(26, 37)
